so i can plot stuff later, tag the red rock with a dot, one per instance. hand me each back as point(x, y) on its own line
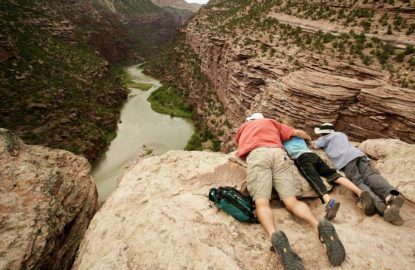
point(47, 199)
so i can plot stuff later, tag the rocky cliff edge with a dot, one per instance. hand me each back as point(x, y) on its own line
point(160, 218)
point(47, 198)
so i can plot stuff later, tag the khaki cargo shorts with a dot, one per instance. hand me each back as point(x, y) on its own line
point(271, 167)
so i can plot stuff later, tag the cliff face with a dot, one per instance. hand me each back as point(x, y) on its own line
point(55, 90)
point(160, 217)
point(142, 25)
point(350, 63)
point(47, 199)
point(57, 87)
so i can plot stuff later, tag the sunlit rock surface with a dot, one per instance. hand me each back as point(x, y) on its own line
point(47, 198)
point(160, 218)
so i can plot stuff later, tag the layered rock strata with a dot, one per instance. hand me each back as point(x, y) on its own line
point(47, 199)
point(357, 99)
point(305, 63)
point(160, 218)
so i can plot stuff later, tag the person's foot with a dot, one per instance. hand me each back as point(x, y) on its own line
point(398, 201)
point(331, 209)
point(289, 259)
point(334, 247)
point(380, 207)
point(392, 216)
point(367, 203)
point(391, 213)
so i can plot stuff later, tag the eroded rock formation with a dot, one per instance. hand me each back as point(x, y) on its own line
point(304, 63)
point(47, 199)
point(58, 87)
point(160, 218)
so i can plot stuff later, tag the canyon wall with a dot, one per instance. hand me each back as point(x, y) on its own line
point(47, 199)
point(350, 63)
point(58, 83)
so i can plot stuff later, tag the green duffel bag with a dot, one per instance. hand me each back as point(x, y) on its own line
point(234, 203)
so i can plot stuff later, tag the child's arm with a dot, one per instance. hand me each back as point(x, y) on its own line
point(302, 134)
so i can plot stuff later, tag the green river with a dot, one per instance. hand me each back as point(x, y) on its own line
point(139, 125)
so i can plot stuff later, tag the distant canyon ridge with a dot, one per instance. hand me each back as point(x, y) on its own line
point(59, 65)
point(350, 63)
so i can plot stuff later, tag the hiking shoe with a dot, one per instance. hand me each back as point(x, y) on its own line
point(289, 259)
point(392, 216)
point(367, 203)
point(396, 200)
point(334, 247)
point(380, 207)
point(331, 209)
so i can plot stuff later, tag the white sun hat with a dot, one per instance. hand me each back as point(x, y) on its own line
point(324, 128)
point(255, 116)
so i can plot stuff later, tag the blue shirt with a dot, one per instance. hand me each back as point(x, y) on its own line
point(295, 147)
point(338, 148)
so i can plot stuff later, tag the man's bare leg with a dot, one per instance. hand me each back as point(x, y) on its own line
point(288, 257)
point(301, 210)
point(265, 215)
point(335, 250)
point(343, 181)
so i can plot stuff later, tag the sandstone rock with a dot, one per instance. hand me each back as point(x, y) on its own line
point(256, 67)
point(357, 99)
point(47, 198)
point(160, 218)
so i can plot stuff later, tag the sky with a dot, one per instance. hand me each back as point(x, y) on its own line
point(197, 1)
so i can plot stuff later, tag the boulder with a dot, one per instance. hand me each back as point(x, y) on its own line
point(47, 199)
point(160, 218)
point(394, 159)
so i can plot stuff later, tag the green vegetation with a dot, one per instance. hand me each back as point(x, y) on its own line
point(252, 28)
point(127, 80)
point(141, 86)
point(131, 7)
point(167, 100)
point(110, 135)
point(200, 136)
point(164, 66)
point(256, 21)
point(121, 73)
point(53, 92)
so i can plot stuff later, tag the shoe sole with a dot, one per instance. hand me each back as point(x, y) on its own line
point(332, 212)
point(398, 201)
point(289, 259)
point(328, 236)
point(392, 215)
point(368, 204)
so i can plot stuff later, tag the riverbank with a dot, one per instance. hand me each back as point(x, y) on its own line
point(139, 126)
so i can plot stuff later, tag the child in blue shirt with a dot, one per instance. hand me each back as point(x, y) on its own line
point(311, 166)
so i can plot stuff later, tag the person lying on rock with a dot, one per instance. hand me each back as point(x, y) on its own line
point(311, 166)
point(259, 142)
point(358, 169)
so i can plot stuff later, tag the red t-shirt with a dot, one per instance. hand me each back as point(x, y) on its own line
point(262, 132)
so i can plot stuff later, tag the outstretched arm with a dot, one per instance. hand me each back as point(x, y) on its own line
point(302, 134)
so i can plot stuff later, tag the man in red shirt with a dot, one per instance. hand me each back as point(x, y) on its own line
point(259, 142)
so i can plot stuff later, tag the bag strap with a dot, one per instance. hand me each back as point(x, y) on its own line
point(235, 202)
